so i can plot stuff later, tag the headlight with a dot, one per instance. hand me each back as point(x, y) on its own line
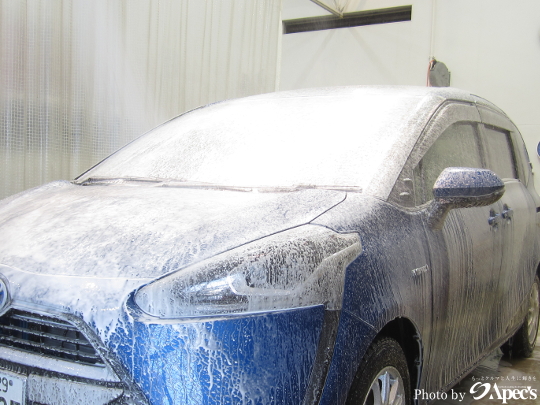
point(300, 267)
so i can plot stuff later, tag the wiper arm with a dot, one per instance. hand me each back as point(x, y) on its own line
point(158, 182)
point(120, 180)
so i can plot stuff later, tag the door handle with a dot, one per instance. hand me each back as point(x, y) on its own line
point(494, 219)
point(507, 213)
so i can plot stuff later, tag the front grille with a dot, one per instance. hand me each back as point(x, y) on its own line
point(47, 336)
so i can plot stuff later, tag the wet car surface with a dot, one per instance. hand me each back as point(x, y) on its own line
point(323, 246)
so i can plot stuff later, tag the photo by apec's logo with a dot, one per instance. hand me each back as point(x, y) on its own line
point(493, 391)
point(482, 390)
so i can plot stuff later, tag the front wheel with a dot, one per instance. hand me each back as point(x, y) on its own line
point(525, 338)
point(383, 376)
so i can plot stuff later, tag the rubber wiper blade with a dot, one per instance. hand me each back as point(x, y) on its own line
point(298, 187)
point(204, 185)
point(119, 180)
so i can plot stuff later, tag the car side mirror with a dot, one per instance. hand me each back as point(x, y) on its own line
point(462, 187)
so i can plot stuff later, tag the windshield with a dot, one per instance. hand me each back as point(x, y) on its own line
point(268, 141)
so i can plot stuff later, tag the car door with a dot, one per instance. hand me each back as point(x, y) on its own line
point(516, 214)
point(465, 255)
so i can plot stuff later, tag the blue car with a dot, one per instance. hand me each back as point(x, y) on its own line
point(351, 245)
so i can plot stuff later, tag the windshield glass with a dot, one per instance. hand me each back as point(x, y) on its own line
point(326, 140)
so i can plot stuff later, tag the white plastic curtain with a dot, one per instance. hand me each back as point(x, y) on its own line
point(80, 78)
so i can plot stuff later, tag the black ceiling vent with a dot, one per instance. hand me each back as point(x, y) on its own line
point(359, 18)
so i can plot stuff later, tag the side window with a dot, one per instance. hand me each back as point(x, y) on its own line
point(457, 146)
point(500, 154)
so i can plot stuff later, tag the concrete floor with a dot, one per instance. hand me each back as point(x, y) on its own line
point(508, 374)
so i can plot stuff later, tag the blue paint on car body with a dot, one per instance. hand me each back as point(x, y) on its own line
point(222, 361)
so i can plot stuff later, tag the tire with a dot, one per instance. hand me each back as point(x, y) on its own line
point(525, 338)
point(384, 374)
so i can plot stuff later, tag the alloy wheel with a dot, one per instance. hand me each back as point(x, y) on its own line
point(386, 389)
point(533, 314)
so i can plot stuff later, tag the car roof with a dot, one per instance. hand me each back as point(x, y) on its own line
point(368, 91)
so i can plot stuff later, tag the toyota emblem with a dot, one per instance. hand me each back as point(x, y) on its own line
point(4, 295)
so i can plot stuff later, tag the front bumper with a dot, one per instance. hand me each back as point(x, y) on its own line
point(262, 358)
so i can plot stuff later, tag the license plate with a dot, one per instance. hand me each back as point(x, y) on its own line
point(12, 387)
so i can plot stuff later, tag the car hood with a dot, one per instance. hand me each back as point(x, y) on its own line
point(141, 232)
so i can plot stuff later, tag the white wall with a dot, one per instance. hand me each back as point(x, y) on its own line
point(396, 53)
point(79, 78)
point(492, 48)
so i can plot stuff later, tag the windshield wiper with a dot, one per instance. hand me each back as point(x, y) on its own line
point(204, 185)
point(119, 180)
point(157, 182)
point(298, 187)
point(261, 189)
point(181, 183)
